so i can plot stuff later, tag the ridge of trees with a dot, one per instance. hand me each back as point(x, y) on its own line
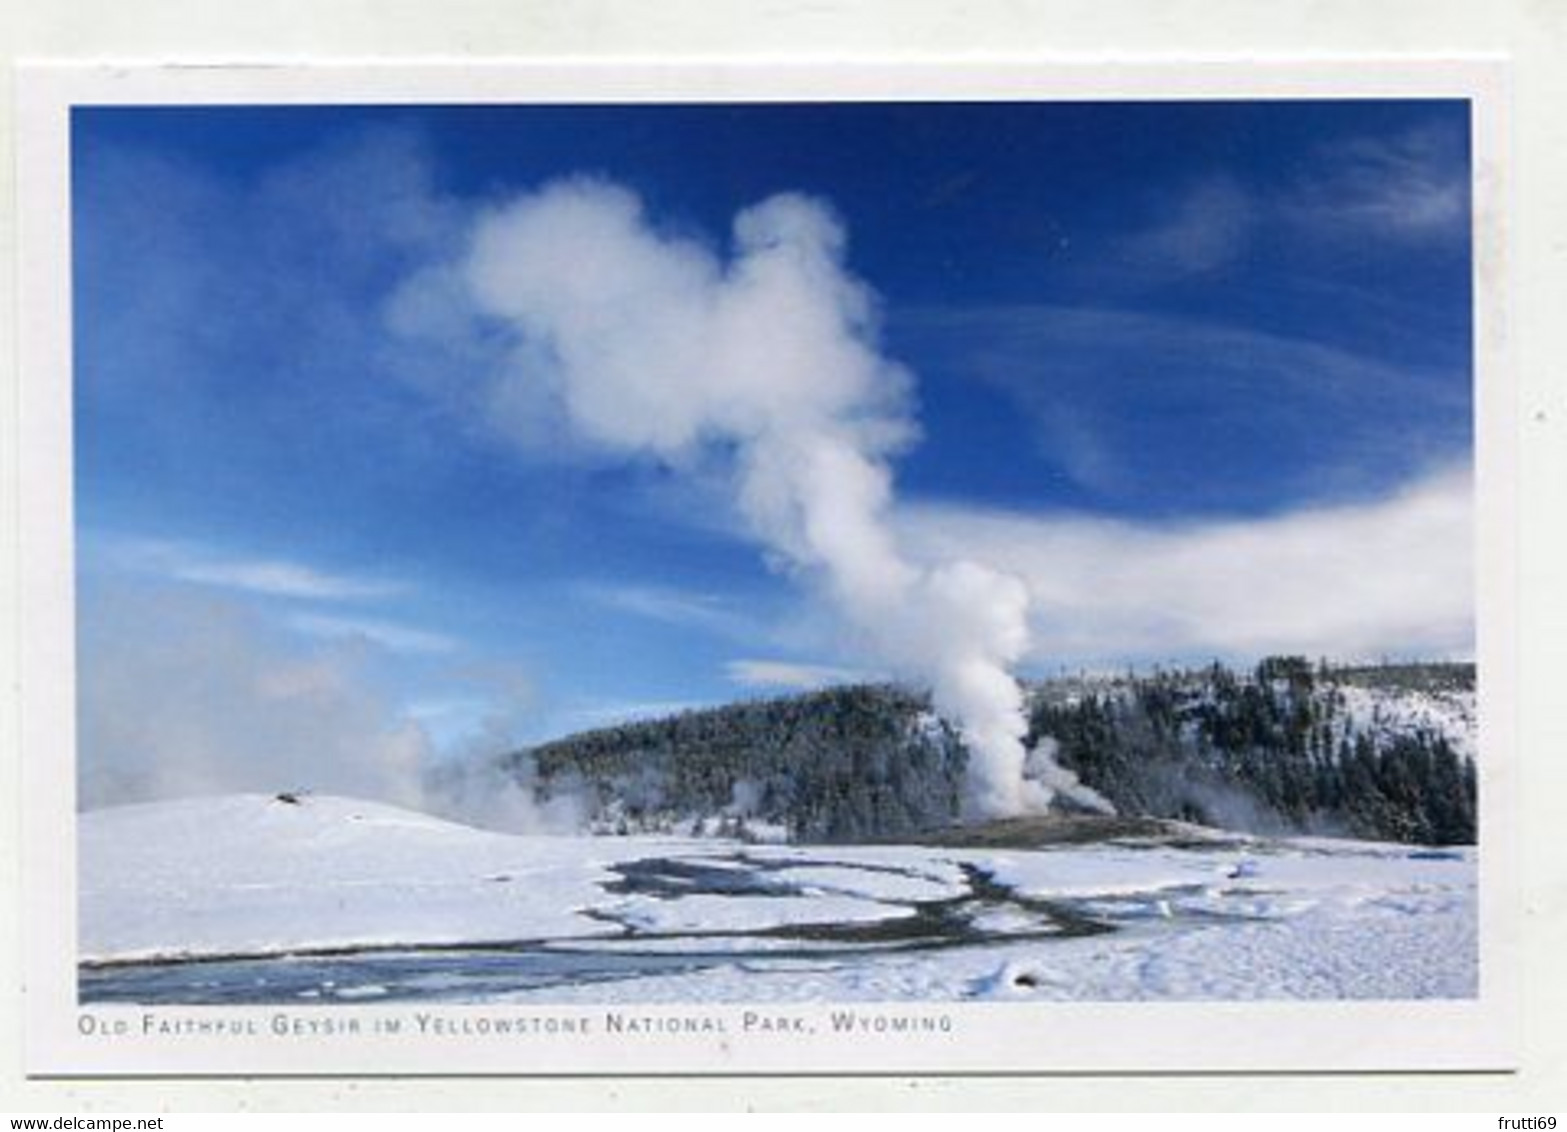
point(1276, 750)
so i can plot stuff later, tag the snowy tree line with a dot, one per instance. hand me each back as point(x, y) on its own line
point(1277, 750)
point(1288, 747)
point(843, 764)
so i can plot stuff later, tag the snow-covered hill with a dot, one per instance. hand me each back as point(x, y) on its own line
point(250, 873)
point(1386, 712)
point(1382, 751)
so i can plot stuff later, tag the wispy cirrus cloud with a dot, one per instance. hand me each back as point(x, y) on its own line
point(1204, 228)
point(1406, 187)
point(265, 576)
point(670, 605)
point(754, 673)
point(384, 634)
point(1119, 398)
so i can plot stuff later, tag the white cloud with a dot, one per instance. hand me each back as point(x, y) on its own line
point(1393, 576)
point(385, 634)
point(269, 577)
point(1204, 229)
point(672, 606)
point(752, 673)
point(1409, 187)
point(1402, 188)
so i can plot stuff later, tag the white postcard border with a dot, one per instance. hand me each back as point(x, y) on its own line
point(65, 1040)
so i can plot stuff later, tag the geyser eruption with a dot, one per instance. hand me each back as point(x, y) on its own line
point(650, 344)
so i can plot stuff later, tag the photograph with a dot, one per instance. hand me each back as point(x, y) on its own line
point(792, 569)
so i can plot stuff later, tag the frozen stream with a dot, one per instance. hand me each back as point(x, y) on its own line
point(244, 900)
point(981, 914)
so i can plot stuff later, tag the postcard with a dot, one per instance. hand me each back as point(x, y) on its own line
point(763, 569)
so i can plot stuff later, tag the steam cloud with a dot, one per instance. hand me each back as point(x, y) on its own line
point(651, 345)
point(187, 693)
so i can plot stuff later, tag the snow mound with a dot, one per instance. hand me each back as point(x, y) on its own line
point(253, 873)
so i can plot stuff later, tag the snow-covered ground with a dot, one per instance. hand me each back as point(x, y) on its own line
point(251, 875)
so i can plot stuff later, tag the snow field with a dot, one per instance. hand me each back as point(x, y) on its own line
point(1252, 920)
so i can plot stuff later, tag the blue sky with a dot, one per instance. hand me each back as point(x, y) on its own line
point(1188, 369)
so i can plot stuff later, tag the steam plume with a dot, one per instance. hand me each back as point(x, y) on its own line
point(652, 345)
